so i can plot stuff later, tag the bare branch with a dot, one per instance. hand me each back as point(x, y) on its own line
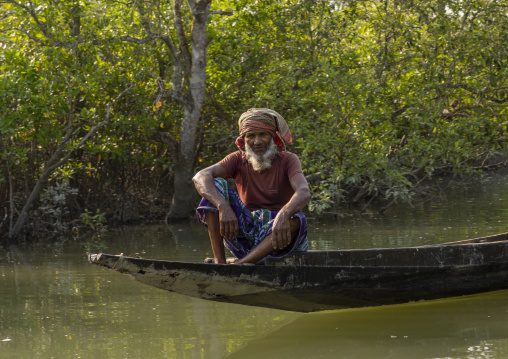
point(473, 91)
point(166, 138)
point(497, 100)
point(15, 230)
point(25, 33)
point(177, 82)
point(42, 26)
point(222, 12)
point(399, 112)
point(11, 202)
point(170, 96)
point(90, 133)
point(144, 20)
point(149, 38)
point(450, 85)
point(192, 4)
point(180, 32)
point(176, 94)
point(222, 140)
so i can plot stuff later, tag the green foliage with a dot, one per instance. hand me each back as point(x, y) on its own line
point(94, 221)
point(59, 71)
point(54, 210)
point(379, 95)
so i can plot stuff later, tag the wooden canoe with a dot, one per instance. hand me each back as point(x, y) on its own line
point(323, 280)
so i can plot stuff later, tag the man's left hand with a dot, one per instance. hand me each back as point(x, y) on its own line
point(281, 231)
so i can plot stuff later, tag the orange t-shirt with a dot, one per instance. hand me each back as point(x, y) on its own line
point(267, 189)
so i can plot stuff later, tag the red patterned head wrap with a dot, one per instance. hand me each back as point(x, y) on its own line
point(264, 119)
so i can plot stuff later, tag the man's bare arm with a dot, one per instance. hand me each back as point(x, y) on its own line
point(203, 180)
point(301, 197)
point(281, 227)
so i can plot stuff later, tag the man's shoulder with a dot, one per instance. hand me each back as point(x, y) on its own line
point(232, 156)
point(291, 164)
point(290, 156)
point(235, 154)
point(231, 161)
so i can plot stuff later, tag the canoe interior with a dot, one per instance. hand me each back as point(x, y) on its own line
point(460, 253)
point(488, 239)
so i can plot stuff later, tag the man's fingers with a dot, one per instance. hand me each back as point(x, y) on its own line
point(285, 239)
point(224, 229)
point(281, 239)
point(228, 224)
point(229, 230)
point(234, 230)
point(275, 245)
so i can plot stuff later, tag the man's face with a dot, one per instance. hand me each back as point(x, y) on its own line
point(258, 141)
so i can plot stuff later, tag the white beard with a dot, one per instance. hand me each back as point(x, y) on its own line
point(264, 161)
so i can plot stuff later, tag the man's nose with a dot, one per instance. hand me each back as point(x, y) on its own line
point(257, 140)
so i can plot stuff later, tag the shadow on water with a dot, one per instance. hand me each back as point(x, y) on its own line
point(465, 327)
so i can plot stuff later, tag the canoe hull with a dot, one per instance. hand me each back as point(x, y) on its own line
point(324, 280)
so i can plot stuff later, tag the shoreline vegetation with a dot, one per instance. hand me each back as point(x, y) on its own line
point(89, 226)
point(104, 121)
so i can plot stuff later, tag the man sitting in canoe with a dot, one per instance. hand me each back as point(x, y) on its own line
point(264, 218)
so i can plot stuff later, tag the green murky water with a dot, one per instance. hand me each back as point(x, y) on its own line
point(53, 304)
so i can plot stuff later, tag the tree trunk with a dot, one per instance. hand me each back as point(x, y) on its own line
point(184, 191)
point(184, 196)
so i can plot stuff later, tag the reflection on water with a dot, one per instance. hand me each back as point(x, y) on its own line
point(57, 305)
point(466, 327)
point(53, 304)
point(466, 212)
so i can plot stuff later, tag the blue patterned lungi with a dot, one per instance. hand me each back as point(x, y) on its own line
point(253, 226)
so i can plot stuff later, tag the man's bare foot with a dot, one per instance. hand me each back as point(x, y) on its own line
point(237, 262)
point(229, 260)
